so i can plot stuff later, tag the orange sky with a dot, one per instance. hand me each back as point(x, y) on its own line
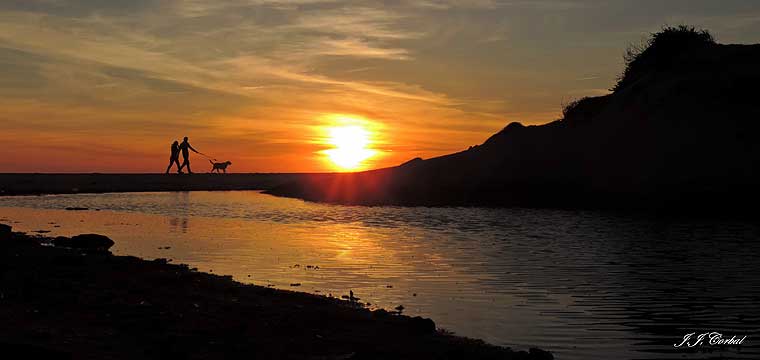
point(91, 86)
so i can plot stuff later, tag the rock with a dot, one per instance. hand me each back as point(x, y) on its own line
point(414, 161)
point(5, 231)
point(421, 325)
point(68, 260)
point(539, 354)
point(76, 208)
point(60, 240)
point(92, 242)
point(33, 351)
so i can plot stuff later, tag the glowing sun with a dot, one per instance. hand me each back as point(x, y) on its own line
point(350, 146)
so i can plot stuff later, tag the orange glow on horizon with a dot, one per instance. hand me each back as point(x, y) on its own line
point(350, 140)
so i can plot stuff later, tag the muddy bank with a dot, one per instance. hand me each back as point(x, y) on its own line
point(60, 302)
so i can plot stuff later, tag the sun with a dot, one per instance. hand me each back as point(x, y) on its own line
point(350, 146)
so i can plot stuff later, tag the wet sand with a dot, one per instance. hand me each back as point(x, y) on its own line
point(60, 302)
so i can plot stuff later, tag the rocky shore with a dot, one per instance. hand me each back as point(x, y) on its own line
point(71, 298)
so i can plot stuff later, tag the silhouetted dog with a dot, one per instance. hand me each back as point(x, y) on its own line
point(220, 166)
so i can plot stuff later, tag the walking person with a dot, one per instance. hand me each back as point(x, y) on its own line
point(174, 156)
point(185, 147)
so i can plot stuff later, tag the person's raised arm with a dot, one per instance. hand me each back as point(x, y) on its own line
point(191, 148)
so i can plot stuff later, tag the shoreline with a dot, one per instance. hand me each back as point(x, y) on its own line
point(49, 184)
point(306, 186)
point(82, 304)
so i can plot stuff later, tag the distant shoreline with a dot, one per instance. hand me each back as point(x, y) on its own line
point(41, 183)
point(311, 187)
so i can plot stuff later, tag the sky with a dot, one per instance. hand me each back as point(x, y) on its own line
point(106, 86)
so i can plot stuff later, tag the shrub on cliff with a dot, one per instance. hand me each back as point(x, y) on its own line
point(661, 50)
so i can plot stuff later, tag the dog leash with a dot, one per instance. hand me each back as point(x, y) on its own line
point(207, 157)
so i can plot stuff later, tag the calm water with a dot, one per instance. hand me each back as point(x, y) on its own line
point(584, 285)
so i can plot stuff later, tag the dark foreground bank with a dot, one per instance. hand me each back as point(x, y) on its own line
point(61, 303)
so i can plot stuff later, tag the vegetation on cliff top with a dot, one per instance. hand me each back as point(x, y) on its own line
point(661, 51)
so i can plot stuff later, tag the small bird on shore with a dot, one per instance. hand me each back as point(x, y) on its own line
point(351, 297)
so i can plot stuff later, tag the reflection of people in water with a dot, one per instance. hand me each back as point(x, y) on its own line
point(174, 157)
point(179, 224)
point(184, 146)
point(179, 220)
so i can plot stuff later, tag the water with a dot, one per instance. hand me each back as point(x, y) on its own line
point(584, 285)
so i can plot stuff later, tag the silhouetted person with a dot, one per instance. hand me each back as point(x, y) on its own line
point(174, 157)
point(184, 146)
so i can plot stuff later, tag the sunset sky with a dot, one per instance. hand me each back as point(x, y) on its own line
point(106, 86)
